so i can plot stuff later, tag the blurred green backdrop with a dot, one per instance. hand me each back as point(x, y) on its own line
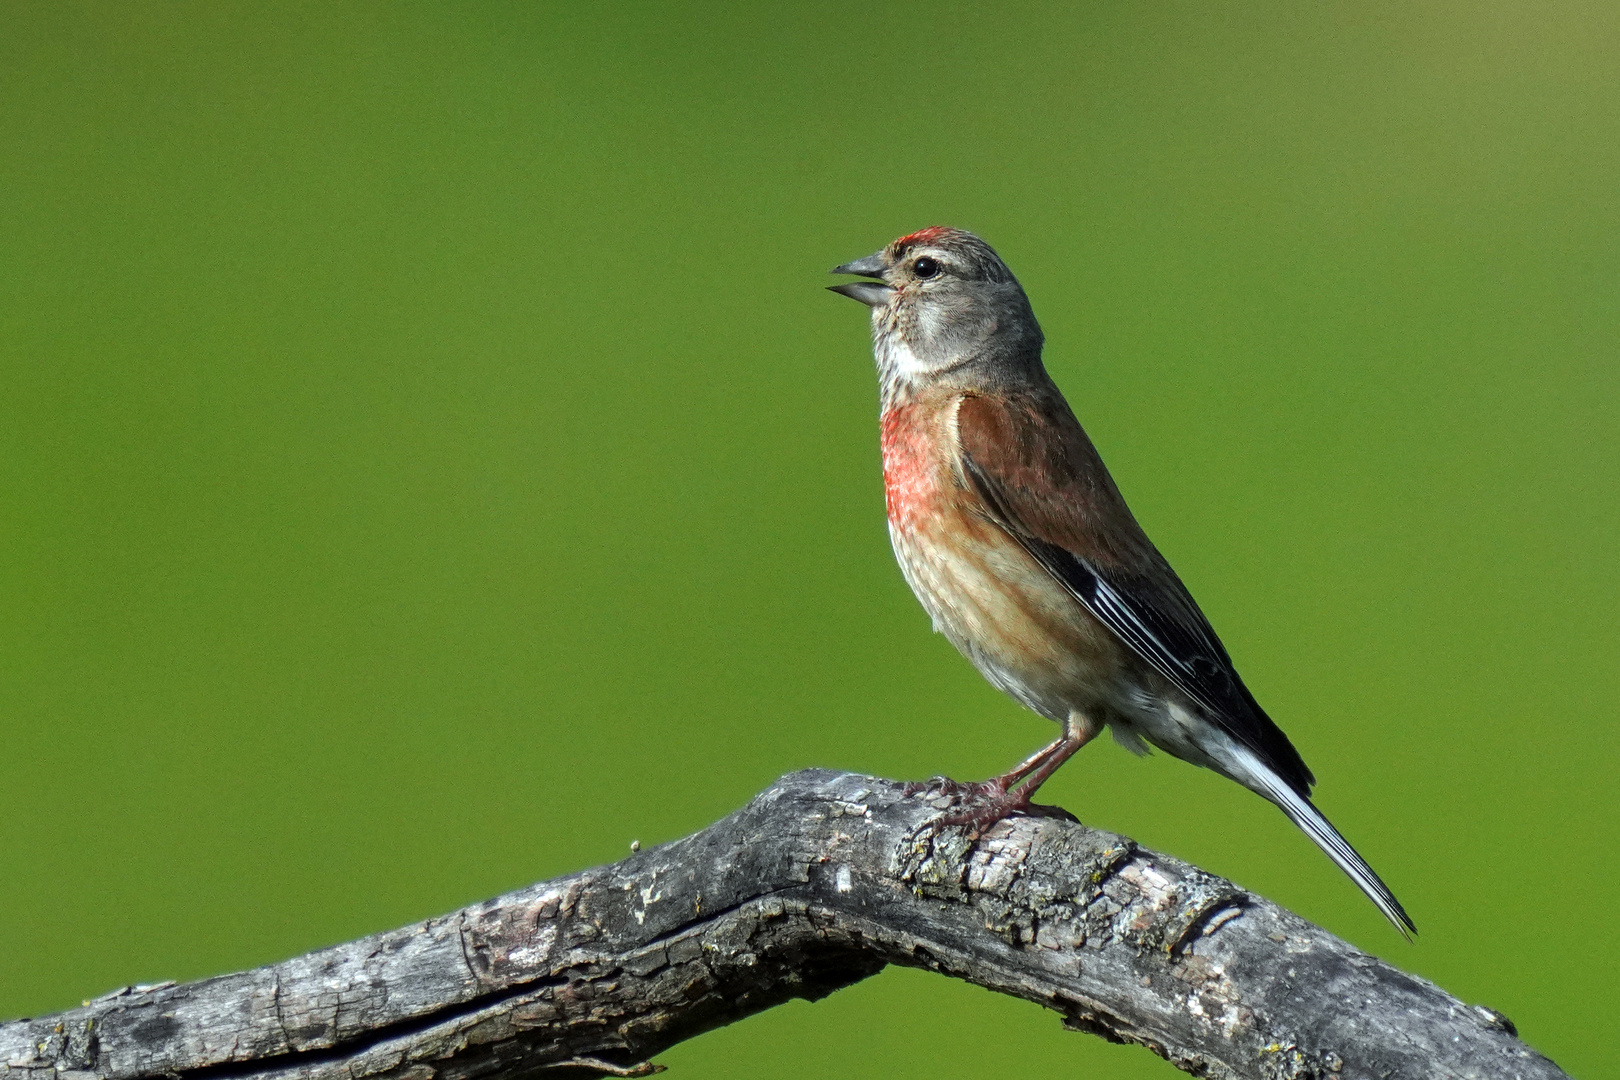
point(429, 460)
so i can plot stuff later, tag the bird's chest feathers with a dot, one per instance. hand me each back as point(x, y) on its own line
point(982, 590)
point(913, 468)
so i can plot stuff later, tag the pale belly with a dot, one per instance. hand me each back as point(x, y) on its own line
point(1012, 621)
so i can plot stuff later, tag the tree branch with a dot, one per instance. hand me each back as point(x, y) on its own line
point(817, 883)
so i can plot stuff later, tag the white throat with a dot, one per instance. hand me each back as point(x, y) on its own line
point(901, 372)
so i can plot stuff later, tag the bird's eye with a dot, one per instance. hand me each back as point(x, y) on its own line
point(925, 267)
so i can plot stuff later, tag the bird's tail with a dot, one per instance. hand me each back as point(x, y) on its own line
point(1310, 820)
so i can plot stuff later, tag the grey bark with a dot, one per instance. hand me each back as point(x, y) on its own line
point(817, 883)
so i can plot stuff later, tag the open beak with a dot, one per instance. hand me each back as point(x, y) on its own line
point(870, 293)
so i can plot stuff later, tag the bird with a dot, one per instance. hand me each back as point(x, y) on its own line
point(1017, 542)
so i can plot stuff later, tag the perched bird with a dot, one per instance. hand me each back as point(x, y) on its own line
point(1012, 534)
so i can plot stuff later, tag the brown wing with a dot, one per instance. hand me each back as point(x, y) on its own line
point(1027, 458)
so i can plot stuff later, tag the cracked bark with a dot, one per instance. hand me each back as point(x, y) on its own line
point(820, 881)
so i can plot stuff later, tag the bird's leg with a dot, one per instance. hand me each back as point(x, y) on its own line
point(996, 785)
point(1010, 779)
point(991, 800)
point(1039, 767)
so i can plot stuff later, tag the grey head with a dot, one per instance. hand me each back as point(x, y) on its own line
point(944, 305)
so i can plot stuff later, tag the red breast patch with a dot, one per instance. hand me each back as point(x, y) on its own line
point(908, 486)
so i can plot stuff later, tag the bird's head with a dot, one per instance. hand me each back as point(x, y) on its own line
point(943, 301)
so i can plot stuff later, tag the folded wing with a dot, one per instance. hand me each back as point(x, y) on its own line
point(1040, 480)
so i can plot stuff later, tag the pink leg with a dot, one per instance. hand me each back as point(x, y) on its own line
point(991, 800)
point(1040, 766)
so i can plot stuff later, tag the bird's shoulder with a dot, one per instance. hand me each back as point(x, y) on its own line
point(1044, 466)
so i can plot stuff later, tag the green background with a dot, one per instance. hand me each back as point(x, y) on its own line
point(428, 460)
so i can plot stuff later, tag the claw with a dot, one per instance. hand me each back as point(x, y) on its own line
point(990, 801)
point(987, 804)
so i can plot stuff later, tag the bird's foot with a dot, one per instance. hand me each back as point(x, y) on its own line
point(955, 789)
point(983, 810)
point(980, 804)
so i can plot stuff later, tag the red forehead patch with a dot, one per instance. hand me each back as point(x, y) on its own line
point(924, 236)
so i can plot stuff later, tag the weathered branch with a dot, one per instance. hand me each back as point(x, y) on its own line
point(819, 882)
